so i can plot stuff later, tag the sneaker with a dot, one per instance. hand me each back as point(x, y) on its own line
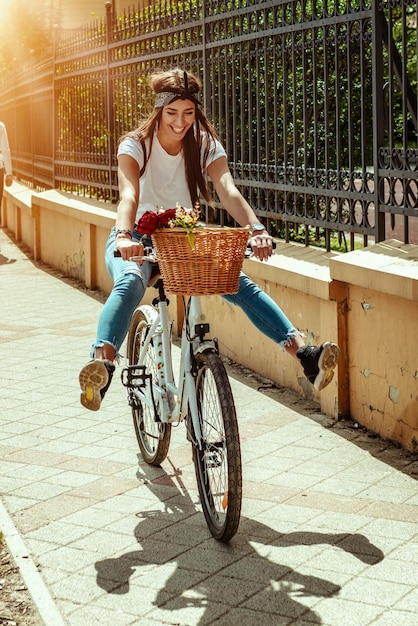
point(319, 362)
point(95, 378)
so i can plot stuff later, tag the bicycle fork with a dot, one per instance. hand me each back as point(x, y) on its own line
point(194, 342)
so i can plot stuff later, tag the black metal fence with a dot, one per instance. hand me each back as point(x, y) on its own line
point(315, 101)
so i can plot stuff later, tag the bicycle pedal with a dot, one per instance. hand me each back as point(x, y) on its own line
point(135, 376)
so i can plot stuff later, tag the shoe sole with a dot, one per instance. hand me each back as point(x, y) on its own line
point(93, 377)
point(327, 362)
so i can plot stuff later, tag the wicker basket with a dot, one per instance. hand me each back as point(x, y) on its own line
point(212, 267)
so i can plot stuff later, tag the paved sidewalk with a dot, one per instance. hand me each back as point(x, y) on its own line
point(329, 531)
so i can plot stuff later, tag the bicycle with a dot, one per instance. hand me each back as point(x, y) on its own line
point(202, 398)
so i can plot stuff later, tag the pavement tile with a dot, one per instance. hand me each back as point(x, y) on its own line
point(15, 504)
point(337, 486)
point(346, 612)
point(408, 602)
point(58, 533)
point(89, 615)
point(404, 513)
point(380, 592)
point(77, 588)
point(396, 618)
point(188, 610)
point(238, 617)
point(393, 570)
point(278, 599)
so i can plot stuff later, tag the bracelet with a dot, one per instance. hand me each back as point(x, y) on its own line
point(124, 232)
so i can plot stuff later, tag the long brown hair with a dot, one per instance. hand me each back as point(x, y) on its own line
point(174, 81)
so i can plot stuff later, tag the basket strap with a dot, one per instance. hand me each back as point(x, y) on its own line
point(144, 167)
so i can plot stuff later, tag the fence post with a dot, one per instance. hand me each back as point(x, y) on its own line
point(32, 131)
point(206, 92)
point(109, 99)
point(378, 114)
point(54, 102)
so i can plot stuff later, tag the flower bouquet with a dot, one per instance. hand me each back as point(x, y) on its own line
point(180, 217)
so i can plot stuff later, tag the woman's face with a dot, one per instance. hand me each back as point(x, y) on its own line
point(176, 119)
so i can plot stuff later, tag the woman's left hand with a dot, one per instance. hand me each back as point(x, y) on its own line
point(262, 245)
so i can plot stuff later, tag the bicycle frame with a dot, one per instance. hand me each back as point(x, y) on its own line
point(192, 342)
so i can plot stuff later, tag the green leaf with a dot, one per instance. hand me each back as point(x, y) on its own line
point(191, 239)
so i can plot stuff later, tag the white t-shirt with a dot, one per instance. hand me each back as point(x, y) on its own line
point(163, 184)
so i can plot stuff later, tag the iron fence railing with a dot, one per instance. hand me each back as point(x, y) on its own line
point(315, 101)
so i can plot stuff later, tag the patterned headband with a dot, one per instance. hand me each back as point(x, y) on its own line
point(165, 97)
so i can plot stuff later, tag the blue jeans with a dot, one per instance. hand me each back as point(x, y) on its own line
point(130, 281)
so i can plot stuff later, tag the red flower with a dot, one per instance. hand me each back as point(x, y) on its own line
point(151, 220)
point(165, 216)
point(148, 223)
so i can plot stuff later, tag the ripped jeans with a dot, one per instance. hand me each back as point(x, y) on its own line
point(130, 281)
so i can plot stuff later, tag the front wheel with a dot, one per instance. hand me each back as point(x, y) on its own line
point(153, 436)
point(217, 460)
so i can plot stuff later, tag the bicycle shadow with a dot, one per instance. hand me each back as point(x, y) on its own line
point(233, 570)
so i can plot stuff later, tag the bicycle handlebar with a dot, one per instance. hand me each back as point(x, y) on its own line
point(151, 258)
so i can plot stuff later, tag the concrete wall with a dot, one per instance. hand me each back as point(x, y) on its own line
point(366, 301)
point(383, 338)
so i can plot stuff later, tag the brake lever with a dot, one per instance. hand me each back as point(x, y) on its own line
point(249, 253)
point(147, 256)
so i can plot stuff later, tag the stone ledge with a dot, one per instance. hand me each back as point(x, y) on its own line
point(389, 267)
point(297, 267)
point(84, 209)
point(20, 195)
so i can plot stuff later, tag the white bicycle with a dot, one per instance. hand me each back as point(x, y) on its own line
point(201, 398)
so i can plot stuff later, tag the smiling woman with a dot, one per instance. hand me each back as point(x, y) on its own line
point(165, 162)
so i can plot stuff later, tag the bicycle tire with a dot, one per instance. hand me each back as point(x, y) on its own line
point(153, 437)
point(218, 463)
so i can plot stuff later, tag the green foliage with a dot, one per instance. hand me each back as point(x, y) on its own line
point(314, 237)
point(402, 131)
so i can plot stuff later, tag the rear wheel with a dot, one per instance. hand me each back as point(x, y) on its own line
point(153, 436)
point(218, 461)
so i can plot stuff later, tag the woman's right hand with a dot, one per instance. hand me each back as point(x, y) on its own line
point(129, 248)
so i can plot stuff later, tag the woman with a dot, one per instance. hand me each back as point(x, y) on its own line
point(162, 163)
